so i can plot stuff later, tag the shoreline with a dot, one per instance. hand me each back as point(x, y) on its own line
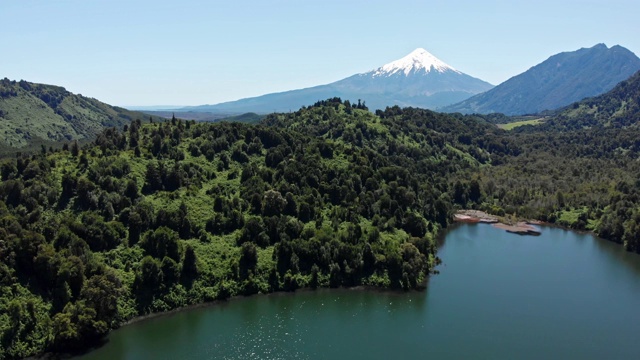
point(218, 302)
point(487, 219)
point(476, 216)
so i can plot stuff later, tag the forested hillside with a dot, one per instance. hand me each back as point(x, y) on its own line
point(37, 114)
point(583, 179)
point(618, 108)
point(164, 215)
point(579, 168)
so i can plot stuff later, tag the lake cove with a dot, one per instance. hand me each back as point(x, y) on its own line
point(498, 295)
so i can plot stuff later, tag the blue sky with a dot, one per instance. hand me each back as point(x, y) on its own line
point(204, 52)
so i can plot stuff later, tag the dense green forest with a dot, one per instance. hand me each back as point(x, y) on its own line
point(164, 215)
point(167, 214)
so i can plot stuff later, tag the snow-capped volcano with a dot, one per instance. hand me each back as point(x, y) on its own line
point(419, 59)
point(418, 79)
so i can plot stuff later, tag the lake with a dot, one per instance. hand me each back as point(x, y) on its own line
point(498, 296)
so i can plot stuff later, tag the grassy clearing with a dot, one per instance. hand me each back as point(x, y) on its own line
point(512, 125)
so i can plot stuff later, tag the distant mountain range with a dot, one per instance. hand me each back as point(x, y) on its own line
point(418, 79)
point(33, 114)
point(36, 113)
point(558, 81)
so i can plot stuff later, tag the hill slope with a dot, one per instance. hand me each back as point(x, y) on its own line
point(418, 79)
point(32, 113)
point(558, 81)
point(619, 107)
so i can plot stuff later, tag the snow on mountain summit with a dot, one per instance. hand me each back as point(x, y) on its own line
point(417, 80)
point(418, 59)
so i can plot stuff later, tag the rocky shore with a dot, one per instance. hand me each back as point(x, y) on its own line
point(477, 216)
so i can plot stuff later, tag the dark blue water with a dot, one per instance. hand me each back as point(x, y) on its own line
point(498, 296)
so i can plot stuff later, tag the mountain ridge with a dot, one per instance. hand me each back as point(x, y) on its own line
point(560, 80)
point(33, 113)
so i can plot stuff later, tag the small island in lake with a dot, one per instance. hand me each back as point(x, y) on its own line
point(477, 216)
